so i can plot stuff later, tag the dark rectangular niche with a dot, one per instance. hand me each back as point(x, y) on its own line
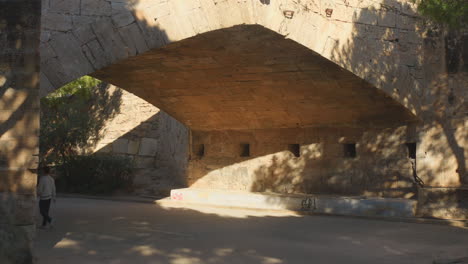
point(200, 150)
point(295, 149)
point(411, 146)
point(349, 150)
point(245, 150)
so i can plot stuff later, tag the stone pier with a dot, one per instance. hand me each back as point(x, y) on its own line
point(19, 126)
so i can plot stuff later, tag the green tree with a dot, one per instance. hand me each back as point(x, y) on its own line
point(453, 13)
point(72, 118)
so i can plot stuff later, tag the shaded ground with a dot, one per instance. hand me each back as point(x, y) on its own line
point(97, 231)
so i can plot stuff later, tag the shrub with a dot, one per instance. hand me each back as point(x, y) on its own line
point(95, 174)
point(73, 117)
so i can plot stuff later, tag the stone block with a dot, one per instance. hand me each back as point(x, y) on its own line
point(123, 18)
point(79, 21)
point(45, 86)
point(27, 123)
point(57, 22)
point(120, 146)
point(406, 22)
point(84, 34)
point(387, 19)
point(111, 41)
point(133, 147)
point(118, 7)
point(144, 162)
point(25, 210)
point(104, 148)
point(18, 181)
point(143, 177)
point(366, 16)
point(64, 7)
point(132, 36)
point(444, 203)
point(148, 147)
point(46, 52)
point(95, 8)
point(71, 56)
point(95, 54)
point(11, 99)
point(45, 35)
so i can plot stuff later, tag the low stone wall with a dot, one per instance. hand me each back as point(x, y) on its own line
point(157, 144)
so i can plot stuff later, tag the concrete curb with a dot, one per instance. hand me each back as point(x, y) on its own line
point(326, 204)
point(167, 202)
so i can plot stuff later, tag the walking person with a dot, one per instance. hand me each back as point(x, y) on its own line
point(46, 193)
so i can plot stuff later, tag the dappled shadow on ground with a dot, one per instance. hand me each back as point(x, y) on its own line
point(90, 231)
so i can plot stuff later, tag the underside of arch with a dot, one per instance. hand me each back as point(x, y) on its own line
point(249, 77)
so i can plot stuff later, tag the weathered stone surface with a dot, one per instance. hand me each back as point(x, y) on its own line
point(133, 147)
point(148, 147)
point(95, 53)
point(19, 116)
point(445, 203)
point(318, 91)
point(121, 19)
point(84, 34)
point(144, 162)
point(70, 55)
point(132, 36)
point(64, 6)
point(57, 22)
point(95, 7)
point(320, 166)
point(120, 145)
point(112, 43)
point(79, 21)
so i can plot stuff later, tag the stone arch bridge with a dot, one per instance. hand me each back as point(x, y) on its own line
point(336, 96)
point(349, 66)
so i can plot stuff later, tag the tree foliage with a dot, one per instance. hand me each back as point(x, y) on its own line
point(72, 118)
point(453, 13)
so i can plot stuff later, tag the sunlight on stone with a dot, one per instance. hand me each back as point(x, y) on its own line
point(146, 251)
point(2, 80)
point(67, 243)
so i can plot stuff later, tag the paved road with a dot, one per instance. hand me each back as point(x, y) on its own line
point(97, 231)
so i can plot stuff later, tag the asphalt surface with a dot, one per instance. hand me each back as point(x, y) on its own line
point(99, 231)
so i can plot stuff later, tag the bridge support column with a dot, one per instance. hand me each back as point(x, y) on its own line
point(19, 126)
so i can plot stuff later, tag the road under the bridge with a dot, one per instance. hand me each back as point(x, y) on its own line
point(97, 231)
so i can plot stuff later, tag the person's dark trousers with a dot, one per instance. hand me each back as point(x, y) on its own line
point(44, 206)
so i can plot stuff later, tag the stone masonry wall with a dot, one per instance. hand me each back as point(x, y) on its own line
point(19, 126)
point(156, 143)
point(310, 160)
